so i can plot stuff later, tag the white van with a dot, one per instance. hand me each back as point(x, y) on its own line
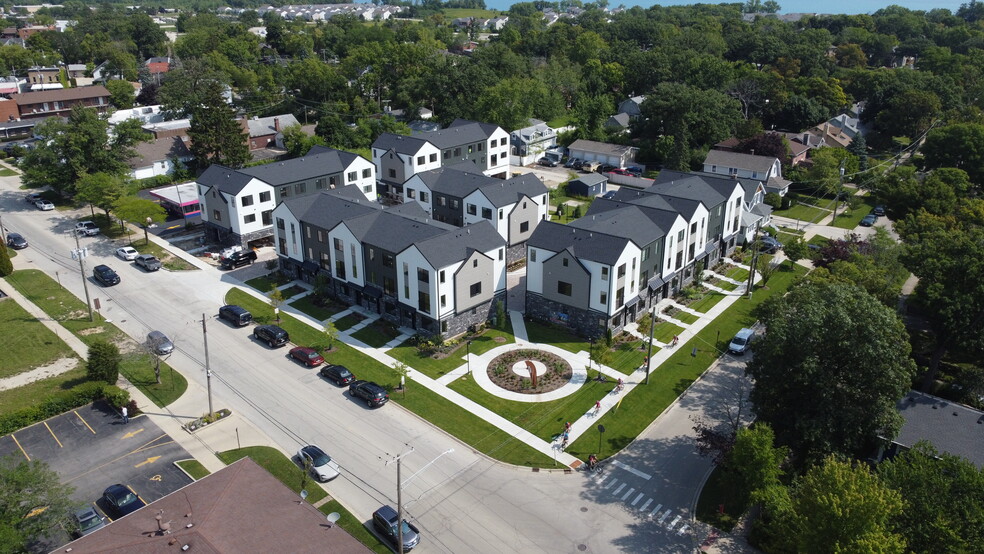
point(742, 341)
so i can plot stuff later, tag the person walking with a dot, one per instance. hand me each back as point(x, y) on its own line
point(567, 427)
point(597, 407)
point(126, 417)
point(676, 339)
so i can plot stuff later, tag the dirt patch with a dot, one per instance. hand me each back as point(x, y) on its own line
point(91, 331)
point(558, 372)
point(56, 367)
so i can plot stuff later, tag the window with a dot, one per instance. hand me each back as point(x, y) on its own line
point(603, 299)
point(633, 264)
point(332, 181)
point(366, 173)
point(433, 158)
point(372, 254)
point(300, 188)
point(564, 288)
point(442, 201)
point(501, 212)
point(267, 217)
point(388, 260)
point(265, 196)
point(495, 158)
point(321, 236)
point(474, 263)
point(441, 274)
point(501, 253)
point(475, 289)
point(644, 277)
point(411, 193)
point(621, 271)
point(457, 152)
point(389, 286)
point(564, 261)
point(280, 223)
point(471, 209)
point(423, 275)
point(339, 245)
point(392, 173)
point(645, 253)
point(321, 183)
point(307, 231)
point(680, 237)
point(310, 253)
point(470, 149)
point(524, 226)
point(367, 189)
point(620, 297)
point(487, 213)
point(444, 301)
point(532, 255)
point(454, 203)
point(447, 154)
point(406, 280)
point(424, 302)
point(353, 175)
point(355, 267)
point(217, 215)
point(424, 197)
point(421, 160)
point(251, 218)
point(604, 274)
point(340, 268)
point(693, 228)
point(247, 200)
point(495, 142)
point(284, 192)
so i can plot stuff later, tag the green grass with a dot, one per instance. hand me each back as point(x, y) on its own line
point(665, 331)
point(486, 341)
point(291, 292)
point(280, 466)
point(354, 527)
point(347, 322)
point(6, 172)
point(685, 317)
point(25, 342)
point(626, 357)
point(555, 335)
point(722, 284)
point(720, 490)
point(568, 216)
point(803, 212)
point(307, 306)
point(849, 219)
point(435, 368)
point(673, 376)
point(736, 273)
point(31, 394)
point(266, 282)
point(464, 425)
point(376, 335)
point(559, 122)
point(64, 307)
point(706, 302)
point(194, 468)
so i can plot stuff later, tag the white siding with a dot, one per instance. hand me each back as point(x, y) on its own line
point(534, 269)
point(417, 185)
point(501, 152)
point(294, 240)
point(631, 283)
point(238, 212)
point(480, 201)
point(363, 183)
point(414, 259)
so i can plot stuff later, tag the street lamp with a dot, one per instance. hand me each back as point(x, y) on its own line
point(468, 354)
point(147, 226)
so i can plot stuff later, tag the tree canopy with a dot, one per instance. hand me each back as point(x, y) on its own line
point(32, 501)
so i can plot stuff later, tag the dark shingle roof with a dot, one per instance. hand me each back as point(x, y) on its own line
point(694, 187)
point(399, 143)
point(583, 243)
point(504, 193)
point(455, 180)
point(391, 231)
point(623, 220)
point(223, 178)
point(60, 95)
point(456, 245)
point(324, 161)
point(460, 132)
point(154, 151)
point(329, 208)
point(948, 426)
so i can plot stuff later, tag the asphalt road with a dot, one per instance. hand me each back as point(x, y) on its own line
point(462, 501)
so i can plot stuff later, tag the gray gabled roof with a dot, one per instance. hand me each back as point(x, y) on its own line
point(508, 192)
point(950, 427)
point(583, 243)
point(621, 220)
point(590, 179)
point(459, 133)
point(458, 180)
point(391, 231)
point(319, 162)
point(329, 208)
point(401, 144)
point(263, 126)
point(225, 179)
point(693, 187)
point(458, 244)
point(737, 160)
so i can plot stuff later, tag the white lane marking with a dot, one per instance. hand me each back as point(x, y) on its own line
point(666, 515)
point(638, 498)
point(619, 489)
point(628, 494)
point(655, 510)
point(683, 529)
point(602, 479)
point(674, 522)
point(613, 481)
point(632, 470)
point(646, 505)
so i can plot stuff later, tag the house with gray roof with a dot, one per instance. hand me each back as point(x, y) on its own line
point(398, 262)
point(603, 152)
point(237, 203)
point(461, 195)
point(158, 157)
point(531, 142)
point(267, 132)
point(949, 426)
point(734, 164)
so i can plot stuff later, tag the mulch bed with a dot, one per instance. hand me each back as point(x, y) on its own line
point(558, 372)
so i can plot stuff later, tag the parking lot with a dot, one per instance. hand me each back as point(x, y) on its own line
point(91, 449)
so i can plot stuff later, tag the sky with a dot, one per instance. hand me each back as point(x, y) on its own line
point(790, 6)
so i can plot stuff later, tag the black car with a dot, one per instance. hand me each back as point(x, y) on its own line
point(32, 198)
point(769, 245)
point(869, 220)
point(105, 275)
point(16, 241)
point(373, 394)
point(547, 162)
point(385, 519)
point(121, 500)
point(237, 315)
point(605, 168)
point(338, 374)
point(609, 195)
point(272, 335)
point(879, 210)
point(238, 259)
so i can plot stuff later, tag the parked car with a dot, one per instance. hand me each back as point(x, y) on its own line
point(307, 356)
point(571, 162)
point(544, 161)
point(159, 343)
point(338, 374)
point(606, 168)
point(147, 261)
point(635, 170)
point(620, 171)
point(321, 464)
point(237, 315)
point(609, 195)
point(127, 253)
point(385, 519)
point(105, 275)
point(32, 197)
point(44, 205)
point(272, 335)
point(769, 245)
point(238, 259)
point(373, 394)
point(879, 210)
point(16, 241)
point(742, 341)
point(869, 220)
point(121, 500)
point(86, 520)
point(587, 167)
point(87, 228)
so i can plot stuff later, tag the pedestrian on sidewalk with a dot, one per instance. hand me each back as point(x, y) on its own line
point(676, 339)
point(566, 436)
point(567, 427)
point(597, 407)
point(126, 418)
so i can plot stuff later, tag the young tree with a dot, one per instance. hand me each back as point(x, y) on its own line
point(121, 94)
point(139, 210)
point(829, 370)
point(600, 352)
point(755, 460)
point(401, 370)
point(795, 249)
point(276, 300)
point(217, 137)
point(330, 332)
point(100, 189)
point(104, 362)
point(32, 502)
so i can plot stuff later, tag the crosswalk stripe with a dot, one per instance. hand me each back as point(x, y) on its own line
point(602, 479)
point(619, 489)
point(612, 482)
point(638, 498)
point(656, 510)
point(666, 515)
point(646, 505)
point(628, 494)
point(683, 529)
point(674, 522)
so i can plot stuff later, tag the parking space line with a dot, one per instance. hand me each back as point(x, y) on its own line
point(21, 447)
point(84, 421)
point(140, 449)
point(53, 435)
point(655, 511)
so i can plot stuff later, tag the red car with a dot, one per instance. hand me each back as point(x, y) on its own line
point(307, 356)
point(618, 171)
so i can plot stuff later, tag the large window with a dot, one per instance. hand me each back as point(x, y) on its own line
point(267, 217)
point(621, 271)
point(339, 245)
point(487, 213)
point(471, 209)
point(475, 289)
point(524, 226)
point(251, 218)
point(604, 274)
point(247, 200)
point(353, 175)
point(424, 302)
point(366, 173)
point(423, 275)
point(216, 215)
point(565, 288)
point(265, 196)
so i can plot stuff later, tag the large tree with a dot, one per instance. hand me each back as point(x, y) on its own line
point(829, 371)
point(140, 211)
point(32, 501)
point(216, 135)
point(104, 362)
point(100, 189)
point(960, 146)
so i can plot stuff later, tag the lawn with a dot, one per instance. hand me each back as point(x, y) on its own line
point(456, 421)
point(280, 466)
point(376, 334)
point(292, 291)
point(7, 172)
point(555, 335)
point(720, 490)
point(307, 306)
point(849, 219)
point(64, 307)
point(435, 368)
point(672, 377)
point(706, 302)
point(683, 316)
point(355, 527)
point(665, 331)
point(26, 343)
point(168, 260)
point(736, 273)
point(266, 282)
point(627, 356)
point(194, 468)
point(568, 216)
point(347, 322)
point(32, 394)
point(803, 212)
point(722, 284)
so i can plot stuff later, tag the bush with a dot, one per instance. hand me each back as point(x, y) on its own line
point(104, 362)
point(773, 199)
point(61, 402)
point(6, 267)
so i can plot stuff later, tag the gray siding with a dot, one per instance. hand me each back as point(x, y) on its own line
point(520, 214)
point(448, 213)
point(213, 203)
point(575, 274)
point(308, 187)
point(715, 222)
point(474, 152)
point(392, 161)
point(376, 271)
point(478, 268)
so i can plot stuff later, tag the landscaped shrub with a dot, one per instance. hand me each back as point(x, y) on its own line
point(6, 266)
point(104, 361)
point(61, 402)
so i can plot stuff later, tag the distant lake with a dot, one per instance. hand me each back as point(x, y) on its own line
point(792, 6)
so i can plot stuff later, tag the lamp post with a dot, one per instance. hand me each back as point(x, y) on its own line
point(208, 370)
point(468, 355)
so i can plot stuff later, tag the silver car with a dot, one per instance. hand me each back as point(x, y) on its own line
point(742, 341)
point(159, 343)
point(87, 520)
point(321, 464)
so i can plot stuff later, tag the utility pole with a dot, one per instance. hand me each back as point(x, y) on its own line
point(755, 257)
point(208, 371)
point(652, 328)
point(399, 500)
point(79, 254)
point(840, 188)
point(3, 235)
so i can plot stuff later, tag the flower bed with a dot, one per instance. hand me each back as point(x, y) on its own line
point(558, 372)
point(207, 420)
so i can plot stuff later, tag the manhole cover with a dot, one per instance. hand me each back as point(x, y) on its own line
point(582, 547)
point(584, 508)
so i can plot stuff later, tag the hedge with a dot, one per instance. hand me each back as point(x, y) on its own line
point(63, 401)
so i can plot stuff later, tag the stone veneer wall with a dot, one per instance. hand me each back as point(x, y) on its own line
point(582, 322)
point(515, 253)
